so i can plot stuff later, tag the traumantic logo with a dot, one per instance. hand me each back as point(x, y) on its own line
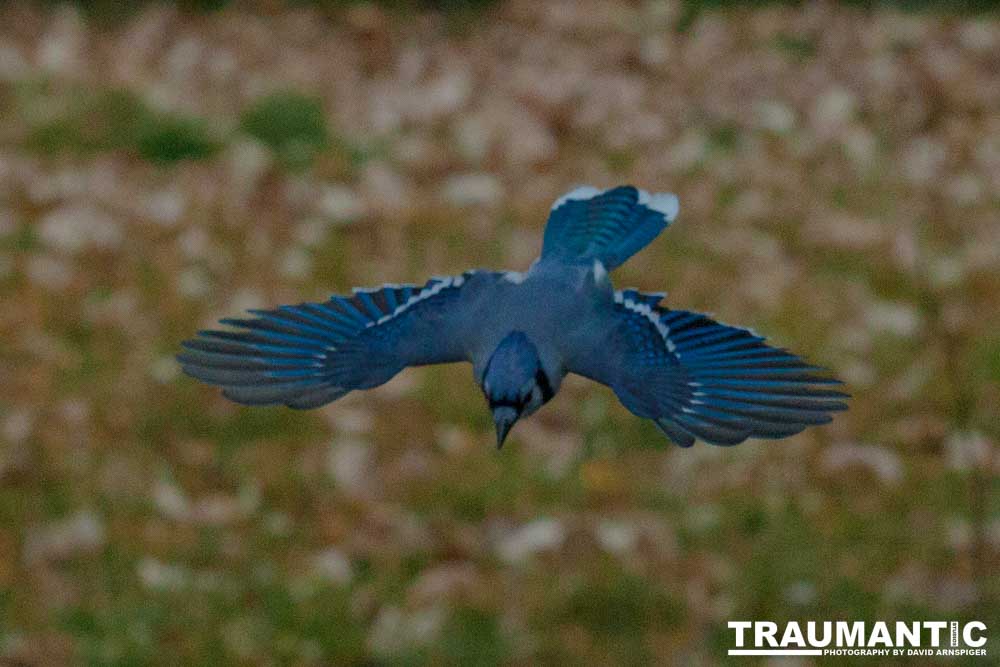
point(918, 638)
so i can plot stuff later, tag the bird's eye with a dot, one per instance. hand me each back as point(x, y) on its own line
point(526, 389)
point(542, 382)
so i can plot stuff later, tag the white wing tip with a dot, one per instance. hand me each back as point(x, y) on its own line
point(515, 277)
point(576, 194)
point(600, 271)
point(665, 203)
point(662, 202)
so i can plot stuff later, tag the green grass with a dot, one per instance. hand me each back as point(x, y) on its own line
point(110, 12)
point(117, 120)
point(473, 637)
point(171, 138)
point(291, 124)
point(797, 48)
point(90, 122)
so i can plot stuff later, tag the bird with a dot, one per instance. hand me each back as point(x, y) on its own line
point(523, 332)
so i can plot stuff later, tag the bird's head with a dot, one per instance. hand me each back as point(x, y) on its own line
point(514, 382)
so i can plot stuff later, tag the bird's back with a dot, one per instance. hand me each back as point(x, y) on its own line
point(548, 303)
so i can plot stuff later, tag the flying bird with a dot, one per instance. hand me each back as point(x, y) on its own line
point(523, 332)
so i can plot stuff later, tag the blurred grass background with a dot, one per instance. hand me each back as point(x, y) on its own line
point(839, 173)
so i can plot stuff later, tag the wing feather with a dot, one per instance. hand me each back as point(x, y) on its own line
point(699, 379)
point(310, 354)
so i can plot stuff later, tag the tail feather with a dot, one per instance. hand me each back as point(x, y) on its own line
point(609, 226)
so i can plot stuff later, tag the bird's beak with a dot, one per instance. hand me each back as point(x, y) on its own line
point(504, 418)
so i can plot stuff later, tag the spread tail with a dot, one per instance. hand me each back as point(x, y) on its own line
point(610, 226)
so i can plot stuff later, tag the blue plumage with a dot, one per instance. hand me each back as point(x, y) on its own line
point(610, 226)
point(709, 380)
point(523, 332)
point(306, 355)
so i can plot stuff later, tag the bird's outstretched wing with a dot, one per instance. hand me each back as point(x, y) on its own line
point(306, 355)
point(610, 226)
point(698, 379)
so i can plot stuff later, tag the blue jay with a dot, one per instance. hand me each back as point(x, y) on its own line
point(523, 332)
